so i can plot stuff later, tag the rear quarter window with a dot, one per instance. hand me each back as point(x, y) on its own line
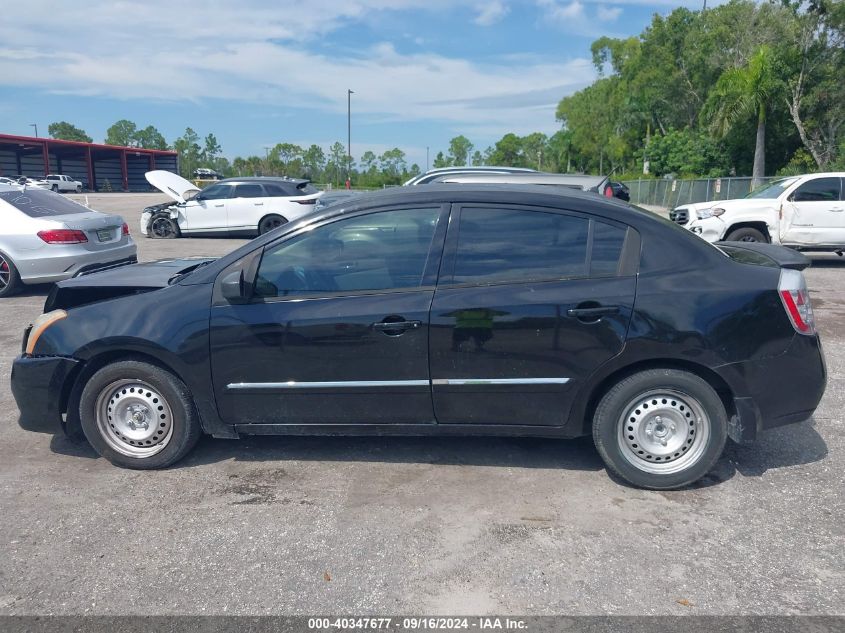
point(37, 203)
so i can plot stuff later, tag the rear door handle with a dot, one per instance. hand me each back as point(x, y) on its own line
point(259, 204)
point(592, 313)
point(218, 205)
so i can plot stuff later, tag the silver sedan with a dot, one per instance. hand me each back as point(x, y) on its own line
point(46, 237)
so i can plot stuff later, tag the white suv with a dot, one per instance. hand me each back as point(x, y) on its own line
point(803, 212)
point(233, 207)
point(63, 183)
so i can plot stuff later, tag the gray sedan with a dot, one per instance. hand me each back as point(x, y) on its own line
point(45, 237)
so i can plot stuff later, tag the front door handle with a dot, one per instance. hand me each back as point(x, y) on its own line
point(259, 204)
point(394, 328)
point(838, 210)
point(592, 313)
point(218, 205)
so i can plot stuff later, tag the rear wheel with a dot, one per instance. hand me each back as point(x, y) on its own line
point(746, 234)
point(660, 428)
point(139, 416)
point(163, 227)
point(55, 188)
point(269, 223)
point(10, 280)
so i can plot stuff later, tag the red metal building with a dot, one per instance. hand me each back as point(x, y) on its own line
point(98, 167)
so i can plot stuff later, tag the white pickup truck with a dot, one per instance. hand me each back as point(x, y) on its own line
point(803, 212)
point(63, 183)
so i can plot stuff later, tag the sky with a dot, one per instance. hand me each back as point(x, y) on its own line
point(257, 73)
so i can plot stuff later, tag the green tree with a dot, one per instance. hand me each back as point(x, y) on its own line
point(188, 148)
point(122, 133)
point(741, 93)
point(150, 138)
point(441, 161)
point(687, 153)
point(507, 152)
point(477, 158)
point(393, 164)
point(460, 148)
point(211, 149)
point(289, 158)
point(68, 132)
point(337, 162)
point(314, 160)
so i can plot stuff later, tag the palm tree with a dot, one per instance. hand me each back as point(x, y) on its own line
point(741, 93)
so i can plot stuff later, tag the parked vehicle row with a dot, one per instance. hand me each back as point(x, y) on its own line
point(449, 309)
point(802, 212)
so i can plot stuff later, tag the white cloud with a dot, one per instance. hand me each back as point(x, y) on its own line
point(608, 14)
point(491, 12)
point(250, 53)
point(561, 12)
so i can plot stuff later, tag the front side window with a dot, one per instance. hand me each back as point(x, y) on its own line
point(216, 192)
point(379, 251)
point(510, 245)
point(818, 190)
point(249, 191)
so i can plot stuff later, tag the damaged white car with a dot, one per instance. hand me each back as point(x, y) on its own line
point(234, 207)
point(803, 212)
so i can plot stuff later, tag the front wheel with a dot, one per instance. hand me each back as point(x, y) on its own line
point(163, 227)
point(746, 234)
point(79, 190)
point(138, 416)
point(660, 429)
point(269, 223)
point(55, 188)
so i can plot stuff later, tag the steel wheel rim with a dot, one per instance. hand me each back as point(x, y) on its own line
point(162, 227)
point(748, 238)
point(134, 418)
point(270, 224)
point(663, 431)
point(5, 272)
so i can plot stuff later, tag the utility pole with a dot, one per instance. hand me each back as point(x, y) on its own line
point(35, 125)
point(349, 94)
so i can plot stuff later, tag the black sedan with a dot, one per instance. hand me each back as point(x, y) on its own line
point(447, 309)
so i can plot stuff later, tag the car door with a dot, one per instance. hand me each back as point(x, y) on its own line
point(207, 211)
point(529, 304)
point(337, 330)
point(247, 206)
point(814, 213)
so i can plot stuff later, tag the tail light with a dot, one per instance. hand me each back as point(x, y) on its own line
point(796, 301)
point(63, 236)
point(125, 229)
point(309, 201)
point(608, 192)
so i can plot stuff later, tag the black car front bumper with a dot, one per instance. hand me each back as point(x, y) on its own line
point(41, 385)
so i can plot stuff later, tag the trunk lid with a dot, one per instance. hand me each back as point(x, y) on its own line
point(171, 184)
point(764, 255)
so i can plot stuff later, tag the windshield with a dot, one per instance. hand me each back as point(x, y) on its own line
point(773, 189)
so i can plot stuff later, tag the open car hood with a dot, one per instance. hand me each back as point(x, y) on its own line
point(119, 281)
point(171, 184)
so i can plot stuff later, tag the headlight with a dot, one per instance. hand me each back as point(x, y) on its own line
point(715, 212)
point(40, 325)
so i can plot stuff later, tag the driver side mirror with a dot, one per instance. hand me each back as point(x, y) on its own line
point(234, 288)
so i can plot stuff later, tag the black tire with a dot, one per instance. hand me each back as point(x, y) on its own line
point(746, 234)
point(163, 227)
point(646, 464)
point(79, 190)
point(10, 279)
point(168, 398)
point(55, 188)
point(270, 222)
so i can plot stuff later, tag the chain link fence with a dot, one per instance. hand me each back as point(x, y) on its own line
point(671, 193)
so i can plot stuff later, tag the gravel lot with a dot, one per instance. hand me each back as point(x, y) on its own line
point(389, 525)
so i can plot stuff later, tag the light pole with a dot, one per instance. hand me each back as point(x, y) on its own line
point(35, 125)
point(426, 157)
point(349, 94)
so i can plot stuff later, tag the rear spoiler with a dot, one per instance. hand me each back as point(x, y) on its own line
point(782, 256)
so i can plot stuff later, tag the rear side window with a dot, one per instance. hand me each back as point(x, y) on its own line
point(818, 190)
point(306, 189)
point(505, 245)
point(249, 191)
point(275, 191)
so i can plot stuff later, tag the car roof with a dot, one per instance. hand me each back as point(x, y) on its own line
point(260, 179)
point(537, 178)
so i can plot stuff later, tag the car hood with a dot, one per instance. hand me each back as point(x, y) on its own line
point(738, 204)
point(171, 184)
point(119, 281)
